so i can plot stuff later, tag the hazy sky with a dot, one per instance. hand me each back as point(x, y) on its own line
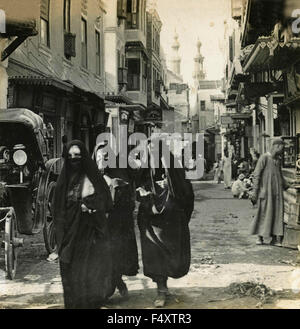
point(193, 19)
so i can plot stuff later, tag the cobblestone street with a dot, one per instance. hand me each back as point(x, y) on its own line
point(222, 253)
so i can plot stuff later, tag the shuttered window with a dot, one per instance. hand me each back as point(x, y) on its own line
point(67, 15)
point(98, 52)
point(132, 14)
point(45, 6)
point(133, 74)
point(231, 48)
point(202, 106)
point(122, 8)
point(44, 20)
point(84, 43)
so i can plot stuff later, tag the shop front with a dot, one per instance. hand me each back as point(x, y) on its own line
point(66, 110)
point(291, 163)
point(124, 118)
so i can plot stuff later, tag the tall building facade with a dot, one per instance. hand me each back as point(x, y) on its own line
point(59, 74)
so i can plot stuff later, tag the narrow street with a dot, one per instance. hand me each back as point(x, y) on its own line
point(222, 253)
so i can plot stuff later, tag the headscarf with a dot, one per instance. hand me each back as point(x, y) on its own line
point(179, 186)
point(88, 168)
point(123, 173)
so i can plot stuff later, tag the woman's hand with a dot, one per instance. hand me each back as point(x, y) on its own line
point(162, 183)
point(84, 208)
point(142, 192)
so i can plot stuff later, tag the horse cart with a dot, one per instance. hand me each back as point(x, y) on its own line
point(27, 182)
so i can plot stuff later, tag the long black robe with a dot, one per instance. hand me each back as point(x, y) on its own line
point(121, 223)
point(165, 238)
point(84, 246)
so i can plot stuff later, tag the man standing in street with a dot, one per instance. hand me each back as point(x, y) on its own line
point(268, 193)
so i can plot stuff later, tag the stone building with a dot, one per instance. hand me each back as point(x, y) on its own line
point(60, 73)
point(123, 82)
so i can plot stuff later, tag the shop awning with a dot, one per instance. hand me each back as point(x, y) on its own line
point(164, 104)
point(241, 116)
point(118, 99)
point(41, 81)
point(212, 130)
point(133, 107)
point(217, 98)
point(260, 89)
point(292, 100)
point(230, 103)
point(18, 28)
point(269, 54)
point(121, 100)
point(89, 94)
point(136, 46)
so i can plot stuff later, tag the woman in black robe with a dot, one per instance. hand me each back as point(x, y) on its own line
point(167, 203)
point(80, 204)
point(121, 221)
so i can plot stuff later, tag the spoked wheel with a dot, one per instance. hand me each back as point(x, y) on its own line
point(12, 242)
point(48, 230)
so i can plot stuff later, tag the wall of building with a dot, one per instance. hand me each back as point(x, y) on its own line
point(137, 36)
point(168, 117)
point(51, 60)
point(207, 117)
point(153, 47)
point(114, 54)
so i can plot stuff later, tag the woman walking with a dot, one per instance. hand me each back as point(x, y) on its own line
point(81, 202)
point(120, 221)
point(167, 203)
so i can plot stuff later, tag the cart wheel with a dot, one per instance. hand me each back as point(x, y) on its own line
point(48, 230)
point(11, 252)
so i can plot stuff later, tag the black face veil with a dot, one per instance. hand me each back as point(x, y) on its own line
point(86, 167)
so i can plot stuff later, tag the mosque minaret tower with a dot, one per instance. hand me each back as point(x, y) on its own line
point(176, 59)
point(198, 74)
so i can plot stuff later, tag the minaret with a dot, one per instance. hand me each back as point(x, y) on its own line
point(176, 59)
point(152, 4)
point(198, 74)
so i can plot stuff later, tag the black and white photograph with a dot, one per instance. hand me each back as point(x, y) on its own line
point(149, 157)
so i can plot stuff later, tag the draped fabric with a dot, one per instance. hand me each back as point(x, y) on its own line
point(83, 241)
point(227, 170)
point(165, 236)
point(121, 221)
point(268, 187)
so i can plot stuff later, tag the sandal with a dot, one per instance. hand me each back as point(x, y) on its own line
point(276, 242)
point(123, 290)
point(259, 241)
point(160, 300)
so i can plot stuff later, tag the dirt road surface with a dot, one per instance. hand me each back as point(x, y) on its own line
point(223, 253)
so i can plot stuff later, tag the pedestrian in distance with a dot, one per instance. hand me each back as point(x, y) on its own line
point(81, 201)
point(227, 169)
point(239, 189)
point(268, 186)
point(218, 170)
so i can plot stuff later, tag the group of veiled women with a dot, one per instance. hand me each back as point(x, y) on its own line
point(93, 211)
